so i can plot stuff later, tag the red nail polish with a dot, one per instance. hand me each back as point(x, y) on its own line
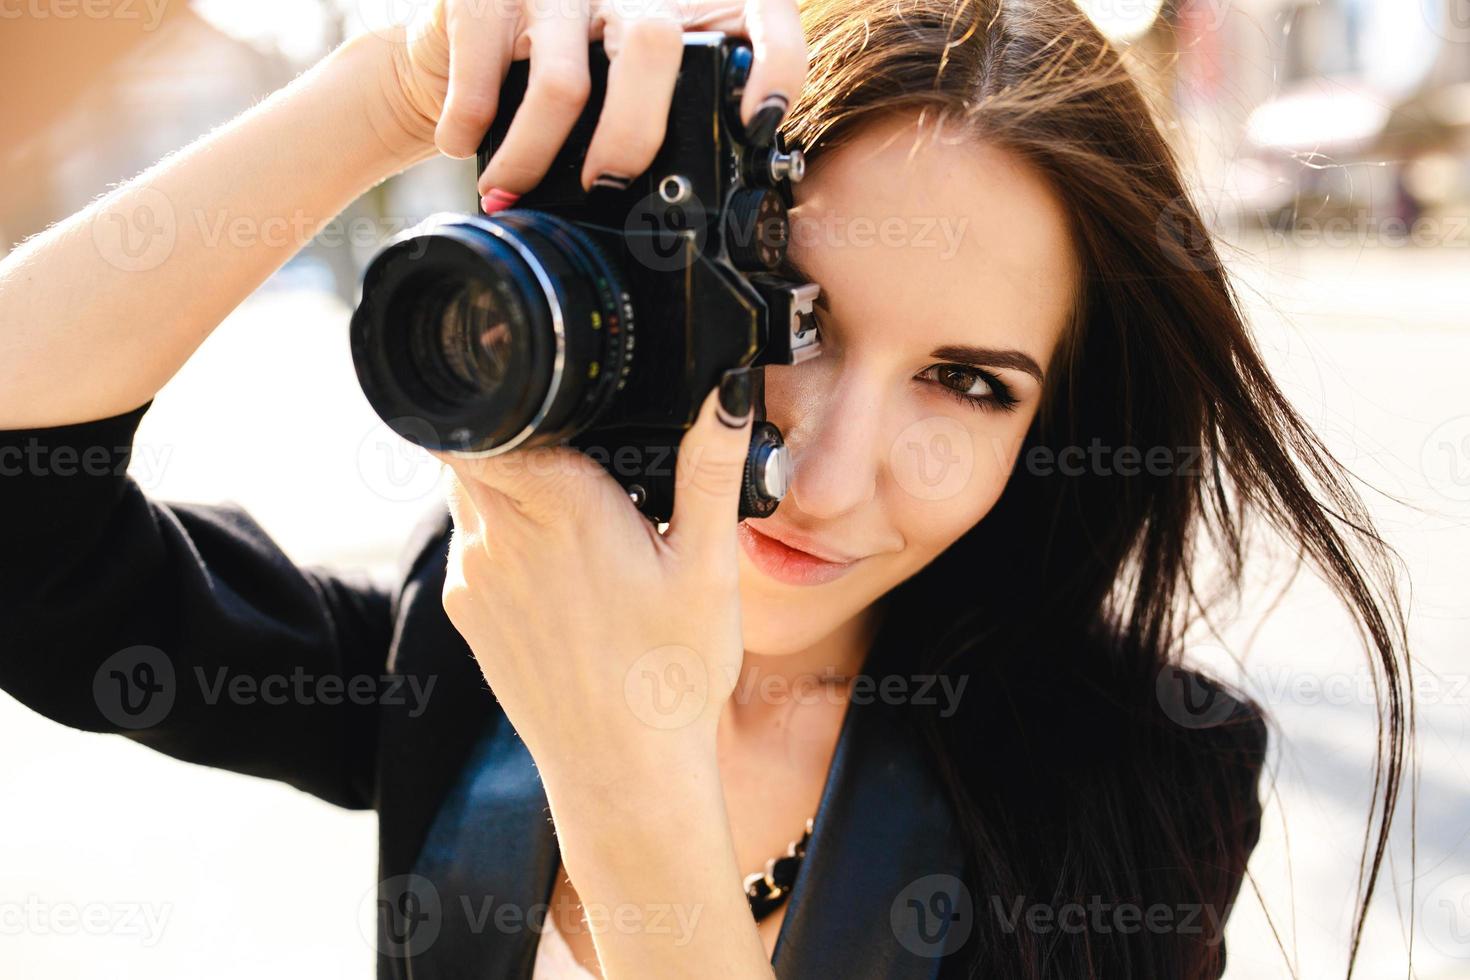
point(497, 200)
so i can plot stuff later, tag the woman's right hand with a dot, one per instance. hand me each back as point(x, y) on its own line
point(448, 71)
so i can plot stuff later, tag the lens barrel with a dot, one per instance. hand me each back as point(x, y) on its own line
point(481, 334)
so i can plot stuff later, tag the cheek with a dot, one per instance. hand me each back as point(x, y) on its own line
point(793, 392)
point(946, 473)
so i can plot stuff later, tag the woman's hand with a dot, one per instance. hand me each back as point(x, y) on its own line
point(446, 76)
point(611, 648)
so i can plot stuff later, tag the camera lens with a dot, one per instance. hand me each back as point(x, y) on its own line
point(459, 336)
point(479, 334)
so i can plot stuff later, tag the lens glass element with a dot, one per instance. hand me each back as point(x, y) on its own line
point(461, 336)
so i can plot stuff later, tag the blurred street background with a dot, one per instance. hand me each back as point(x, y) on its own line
point(1328, 143)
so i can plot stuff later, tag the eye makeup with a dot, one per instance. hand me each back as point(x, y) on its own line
point(996, 396)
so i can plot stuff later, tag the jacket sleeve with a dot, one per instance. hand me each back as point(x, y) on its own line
point(1241, 744)
point(181, 626)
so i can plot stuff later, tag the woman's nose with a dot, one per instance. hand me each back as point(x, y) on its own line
point(835, 452)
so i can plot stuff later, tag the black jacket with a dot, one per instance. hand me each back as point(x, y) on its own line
point(186, 628)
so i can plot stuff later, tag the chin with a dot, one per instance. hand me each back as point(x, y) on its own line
point(773, 627)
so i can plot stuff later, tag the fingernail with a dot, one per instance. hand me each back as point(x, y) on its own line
point(614, 182)
point(762, 126)
point(735, 397)
point(496, 199)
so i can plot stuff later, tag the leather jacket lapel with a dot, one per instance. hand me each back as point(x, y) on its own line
point(491, 854)
point(879, 894)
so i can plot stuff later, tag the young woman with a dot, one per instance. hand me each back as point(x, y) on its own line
point(953, 648)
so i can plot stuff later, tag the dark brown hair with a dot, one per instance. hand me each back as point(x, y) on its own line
point(1072, 773)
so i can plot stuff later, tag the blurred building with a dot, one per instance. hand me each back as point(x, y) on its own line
point(1315, 108)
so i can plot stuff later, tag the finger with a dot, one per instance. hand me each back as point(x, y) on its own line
point(710, 469)
point(779, 69)
point(645, 51)
point(551, 485)
point(477, 64)
point(475, 505)
point(556, 93)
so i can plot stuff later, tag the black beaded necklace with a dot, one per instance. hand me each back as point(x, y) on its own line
point(767, 889)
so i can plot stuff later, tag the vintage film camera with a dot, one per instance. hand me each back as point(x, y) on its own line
point(601, 319)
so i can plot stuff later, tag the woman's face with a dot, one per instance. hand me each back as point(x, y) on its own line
point(900, 445)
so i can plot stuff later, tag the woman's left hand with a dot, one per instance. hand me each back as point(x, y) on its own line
point(611, 648)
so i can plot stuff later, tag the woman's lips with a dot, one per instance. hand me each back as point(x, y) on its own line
point(787, 564)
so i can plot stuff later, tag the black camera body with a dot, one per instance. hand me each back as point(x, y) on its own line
point(600, 319)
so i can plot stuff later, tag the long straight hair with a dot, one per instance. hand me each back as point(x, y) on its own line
point(1067, 604)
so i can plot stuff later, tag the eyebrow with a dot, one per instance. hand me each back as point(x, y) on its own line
point(990, 357)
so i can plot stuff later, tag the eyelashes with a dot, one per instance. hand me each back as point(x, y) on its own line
point(998, 395)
